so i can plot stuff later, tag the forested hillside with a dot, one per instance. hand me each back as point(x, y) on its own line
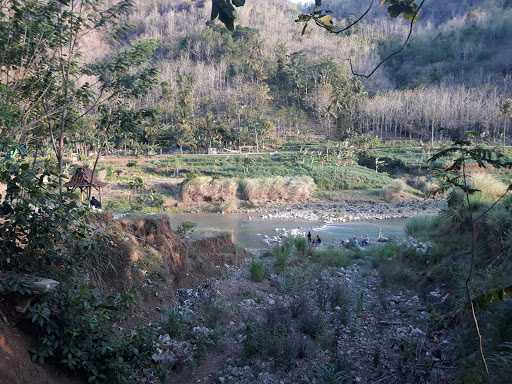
point(266, 81)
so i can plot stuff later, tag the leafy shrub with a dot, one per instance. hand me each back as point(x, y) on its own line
point(340, 296)
point(282, 254)
point(277, 339)
point(301, 244)
point(257, 271)
point(366, 141)
point(14, 285)
point(311, 321)
point(334, 373)
point(137, 184)
point(214, 314)
point(332, 257)
point(75, 329)
point(40, 225)
point(203, 339)
point(173, 323)
point(154, 199)
point(131, 163)
point(396, 274)
point(185, 228)
point(296, 278)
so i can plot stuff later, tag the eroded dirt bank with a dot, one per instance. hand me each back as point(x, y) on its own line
point(142, 255)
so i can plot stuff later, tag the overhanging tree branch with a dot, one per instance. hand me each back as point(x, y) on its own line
point(346, 28)
point(392, 54)
point(323, 20)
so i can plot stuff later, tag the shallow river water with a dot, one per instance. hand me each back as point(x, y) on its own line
point(252, 233)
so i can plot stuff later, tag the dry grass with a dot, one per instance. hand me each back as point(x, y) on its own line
point(489, 187)
point(393, 190)
point(207, 189)
point(423, 184)
point(278, 189)
point(182, 261)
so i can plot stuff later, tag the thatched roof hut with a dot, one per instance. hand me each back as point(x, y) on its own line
point(84, 180)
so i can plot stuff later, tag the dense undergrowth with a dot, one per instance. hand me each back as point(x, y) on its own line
point(107, 272)
point(440, 270)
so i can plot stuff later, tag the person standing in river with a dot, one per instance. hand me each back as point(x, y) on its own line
point(309, 238)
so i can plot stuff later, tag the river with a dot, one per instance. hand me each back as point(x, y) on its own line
point(255, 233)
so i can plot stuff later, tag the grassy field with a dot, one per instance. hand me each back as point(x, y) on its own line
point(153, 183)
point(328, 172)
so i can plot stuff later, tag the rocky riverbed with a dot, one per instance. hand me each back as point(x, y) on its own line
point(339, 326)
point(343, 212)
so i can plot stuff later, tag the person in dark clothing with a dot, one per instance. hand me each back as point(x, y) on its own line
point(5, 209)
point(318, 240)
point(95, 203)
point(309, 238)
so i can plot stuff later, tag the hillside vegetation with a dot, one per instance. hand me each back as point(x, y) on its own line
point(265, 83)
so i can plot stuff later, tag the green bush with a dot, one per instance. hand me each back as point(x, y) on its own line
point(421, 226)
point(257, 271)
point(173, 323)
point(397, 274)
point(137, 184)
point(185, 228)
point(276, 338)
point(109, 172)
point(297, 277)
point(214, 314)
point(282, 255)
point(154, 200)
point(131, 163)
point(301, 245)
point(311, 322)
point(382, 253)
point(41, 225)
point(335, 373)
point(332, 257)
point(75, 328)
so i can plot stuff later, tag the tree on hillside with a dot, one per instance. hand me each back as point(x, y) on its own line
point(49, 89)
point(506, 111)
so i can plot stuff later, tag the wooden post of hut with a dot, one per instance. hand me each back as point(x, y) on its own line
point(84, 181)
